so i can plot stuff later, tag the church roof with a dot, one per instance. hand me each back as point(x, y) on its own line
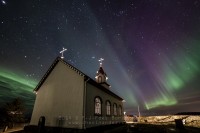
point(87, 78)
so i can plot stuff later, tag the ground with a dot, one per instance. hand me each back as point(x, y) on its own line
point(140, 128)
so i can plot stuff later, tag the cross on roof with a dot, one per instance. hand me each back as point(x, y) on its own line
point(101, 61)
point(62, 52)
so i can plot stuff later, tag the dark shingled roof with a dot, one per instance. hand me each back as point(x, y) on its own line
point(87, 78)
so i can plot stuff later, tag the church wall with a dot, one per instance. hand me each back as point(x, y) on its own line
point(60, 99)
point(91, 119)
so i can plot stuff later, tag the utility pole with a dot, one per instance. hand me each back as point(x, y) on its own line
point(138, 113)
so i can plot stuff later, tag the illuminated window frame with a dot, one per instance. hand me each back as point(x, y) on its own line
point(97, 106)
point(120, 110)
point(115, 109)
point(108, 108)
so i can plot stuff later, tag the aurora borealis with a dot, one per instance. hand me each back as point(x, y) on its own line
point(151, 48)
point(15, 85)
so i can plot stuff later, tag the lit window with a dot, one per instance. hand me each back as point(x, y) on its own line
point(100, 79)
point(108, 106)
point(115, 108)
point(120, 110)
point(97, 105)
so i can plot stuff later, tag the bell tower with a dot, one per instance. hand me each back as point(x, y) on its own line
point(101, 76)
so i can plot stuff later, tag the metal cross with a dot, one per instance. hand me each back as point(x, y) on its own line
point(101, 60)
point(62, 52)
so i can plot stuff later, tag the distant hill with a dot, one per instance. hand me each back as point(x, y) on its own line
point(188, 113)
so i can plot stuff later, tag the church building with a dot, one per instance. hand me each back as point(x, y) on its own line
point(68, 98)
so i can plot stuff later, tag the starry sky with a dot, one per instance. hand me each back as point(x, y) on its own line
point(151, 48)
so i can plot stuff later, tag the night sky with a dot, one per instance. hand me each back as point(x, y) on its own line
point(151, 48)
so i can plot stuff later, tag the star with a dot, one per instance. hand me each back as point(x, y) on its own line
point(3, 2)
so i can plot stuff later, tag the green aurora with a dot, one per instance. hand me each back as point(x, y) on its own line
point(175, 74)
point(13, 85)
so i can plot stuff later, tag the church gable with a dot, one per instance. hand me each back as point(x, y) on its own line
point(51, 68)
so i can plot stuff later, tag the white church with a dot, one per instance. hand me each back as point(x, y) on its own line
point(68, 98)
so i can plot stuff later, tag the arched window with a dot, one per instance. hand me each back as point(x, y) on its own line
point(115, 108)
point(100, 79)
point(108, 107)
point(97, 106)
point(120, 110)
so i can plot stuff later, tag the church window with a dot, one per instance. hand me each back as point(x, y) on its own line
point(120, 110)
point(108, 107)
point(115, 108)
point(100, 79)
point(97, 106)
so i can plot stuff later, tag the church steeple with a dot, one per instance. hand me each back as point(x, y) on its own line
point(101, 76)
